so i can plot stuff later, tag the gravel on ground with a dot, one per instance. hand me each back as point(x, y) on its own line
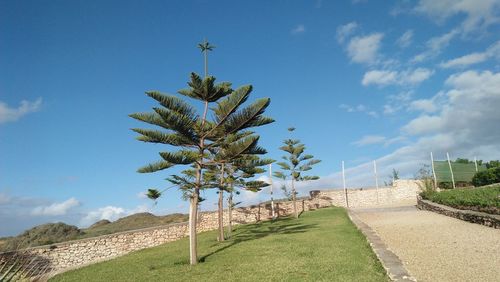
point(435, 247)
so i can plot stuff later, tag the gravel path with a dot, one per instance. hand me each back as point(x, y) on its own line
point(435, 247)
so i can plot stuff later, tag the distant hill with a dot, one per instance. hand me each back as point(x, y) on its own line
point(131, 222)
point(42, 235)
point(51, 233)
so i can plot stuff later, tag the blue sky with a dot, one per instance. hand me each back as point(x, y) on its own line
point(360, 80)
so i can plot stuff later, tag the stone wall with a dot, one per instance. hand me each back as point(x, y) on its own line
point(72, 254)
point(63, 256)
point(491, 220)
point(400, 191)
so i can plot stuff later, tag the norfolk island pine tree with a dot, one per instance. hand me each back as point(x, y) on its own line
point(193, 135)
point(233, 174)
point(233, 150)
point(294, 165)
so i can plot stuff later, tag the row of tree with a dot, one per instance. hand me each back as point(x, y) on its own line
point(220, 152)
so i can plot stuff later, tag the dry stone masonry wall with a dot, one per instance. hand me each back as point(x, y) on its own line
point(63, 256)
point(491, 220)
point(401, 190)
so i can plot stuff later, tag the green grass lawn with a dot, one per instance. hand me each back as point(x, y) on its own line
point(485, 199)
point(321, 245)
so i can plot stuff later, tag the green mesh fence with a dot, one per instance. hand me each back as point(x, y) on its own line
point(461, 172)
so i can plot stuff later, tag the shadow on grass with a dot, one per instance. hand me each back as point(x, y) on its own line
point(261, 230)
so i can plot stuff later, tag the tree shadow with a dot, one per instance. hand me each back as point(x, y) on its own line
point(260, 230)
point(23, 265)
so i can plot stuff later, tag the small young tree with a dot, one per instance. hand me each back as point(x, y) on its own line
point(294, 165)
point(233, 147)
point(424, 174)
point(191, 135)
point(393, 177)
point(246, 167)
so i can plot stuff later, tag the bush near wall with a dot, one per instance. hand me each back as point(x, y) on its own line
point(486, 177)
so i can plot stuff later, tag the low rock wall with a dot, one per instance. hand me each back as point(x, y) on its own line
point(491, 220)
point(401, 190)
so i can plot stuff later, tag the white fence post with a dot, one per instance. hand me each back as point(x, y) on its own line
point(433, 172)
point(451, 170)
point(271, 180)
point(345, 189)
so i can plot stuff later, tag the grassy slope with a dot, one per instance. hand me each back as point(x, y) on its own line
point(322, 245)
point(483, 199)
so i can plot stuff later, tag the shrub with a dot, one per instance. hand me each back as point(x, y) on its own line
point(486, 177)
point(484, 199)
point(427, 187)
point(445, 185)
point(493, 164)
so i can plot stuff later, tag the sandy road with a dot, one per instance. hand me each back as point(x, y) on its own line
point(435, 247)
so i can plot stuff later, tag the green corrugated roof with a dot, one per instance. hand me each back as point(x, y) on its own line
point(461, 172)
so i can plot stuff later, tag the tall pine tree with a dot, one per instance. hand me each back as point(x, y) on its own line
point(190, 135)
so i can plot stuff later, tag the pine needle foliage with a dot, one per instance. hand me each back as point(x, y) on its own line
point(237, 176)
point(233, 150)
point(189, 136)
point(295, 163)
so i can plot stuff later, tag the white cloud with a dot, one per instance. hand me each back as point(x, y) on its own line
point(364, 49)
point(344, 31)
point(8, 114)
point(425, 105)
point(397, 102)
point(492, 52)
point(479, 14)
point(142, 195)
point(470, 112)
point(298, 29)
point(416, 76)
point(361, 108)
point(389, 109)
point(406, 39)
point(358, 109)
point(111, 213)
point(407, 77)
point(435, 46)
point(4, 199)
point(424, 124)
point(466, 60)
point(378, 139)
point(369, 140)
point(56, 209)
point(380, 77)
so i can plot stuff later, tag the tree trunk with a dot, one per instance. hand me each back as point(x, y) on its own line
point(230, 213)
point(294, 199)
point(220, 210)
point(220, 237)
point(206, 63)
point(193, 216)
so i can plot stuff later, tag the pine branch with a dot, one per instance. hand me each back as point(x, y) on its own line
point(153, 167)
point(182, 157)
